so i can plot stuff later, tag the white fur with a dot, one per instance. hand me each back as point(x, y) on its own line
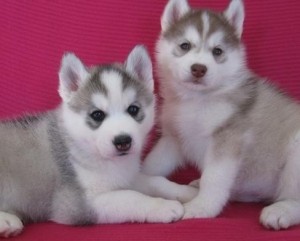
point(123, 205)
point(216, 182)
point(281, 215)
point(10, 225)
point(113, 82)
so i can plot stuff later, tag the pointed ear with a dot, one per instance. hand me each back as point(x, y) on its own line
point(72, 74)
point(139, 64)
point(235, 14)
point(174, 10)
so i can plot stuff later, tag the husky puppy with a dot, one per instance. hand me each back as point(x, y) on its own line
point(79, 164)
point(238, 129)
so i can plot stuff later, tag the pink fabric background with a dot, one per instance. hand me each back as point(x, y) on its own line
point(35, 34)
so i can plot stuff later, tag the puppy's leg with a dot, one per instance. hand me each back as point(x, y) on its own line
point(281, 214)
point(164, 158)
point(158, 186)
point(130, 206)
point(286, 211)
point(218, 175)
point(10, 225)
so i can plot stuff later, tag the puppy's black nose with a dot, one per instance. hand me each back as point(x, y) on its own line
point(122, 143)
point(198, 70)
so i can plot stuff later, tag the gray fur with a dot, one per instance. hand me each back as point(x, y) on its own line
point(275, 121)
point(35, 167)
point(69, 196)
point(25, 121)
point(140, 116)
point(26, 149)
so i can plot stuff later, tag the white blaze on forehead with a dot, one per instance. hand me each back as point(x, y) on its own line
point(205, 22)
point(113, 83)
point(116, 99)
point(100, 101)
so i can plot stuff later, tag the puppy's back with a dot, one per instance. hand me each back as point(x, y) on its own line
point(27, 169)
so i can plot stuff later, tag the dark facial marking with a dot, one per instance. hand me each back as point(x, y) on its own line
point(82, 97)
point(95, 118)
point(217, 22)
point(136, 112)
point(142, 92)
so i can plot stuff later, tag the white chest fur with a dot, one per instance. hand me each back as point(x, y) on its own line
point(108, 176)
point(194, 122)
point(202, 118)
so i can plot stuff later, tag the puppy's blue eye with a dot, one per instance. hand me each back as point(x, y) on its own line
point(186, 46)
point(133, 110)
point(98, 115)
point(217, 52)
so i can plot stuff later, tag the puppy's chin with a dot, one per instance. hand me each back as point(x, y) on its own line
point(123, 155)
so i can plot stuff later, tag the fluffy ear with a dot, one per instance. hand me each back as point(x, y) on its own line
point(139, 64)
point(72, 74)
point(235, 14)
point(174, 10)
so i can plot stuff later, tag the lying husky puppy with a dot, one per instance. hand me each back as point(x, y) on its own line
point(78, 164)
point(239, 130)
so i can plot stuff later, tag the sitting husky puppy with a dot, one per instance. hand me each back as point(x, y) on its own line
point(76, 164)
point(239, 130)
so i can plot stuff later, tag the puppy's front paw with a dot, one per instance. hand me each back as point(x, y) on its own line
point(277, 216)
point(187, 193)
point(165, 211)
point(199, 209)
point(10, 225)
point(195, 183)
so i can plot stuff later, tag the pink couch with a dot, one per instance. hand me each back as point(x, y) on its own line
point(35, 34)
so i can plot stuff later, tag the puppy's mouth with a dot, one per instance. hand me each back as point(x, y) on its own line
point(123, 154)
point(194, 82)
point(125, 150)
point(123, 147)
